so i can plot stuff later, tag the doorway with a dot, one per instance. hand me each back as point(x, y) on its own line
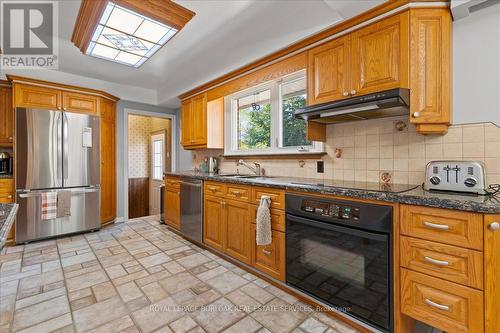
point(149, 156)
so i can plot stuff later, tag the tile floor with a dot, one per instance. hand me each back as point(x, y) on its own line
point(140, 277)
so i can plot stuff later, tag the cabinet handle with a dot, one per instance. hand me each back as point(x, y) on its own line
point(11, 138)
point(236, 193)
point(223, 204)
point(345, 94)
point(436, 262)
point(9, 197)
point(212, 189)
point(416, 114)
point(266, 252)
point(494, 226)
point(436, 226)
point(437, 305)
point(353, 92)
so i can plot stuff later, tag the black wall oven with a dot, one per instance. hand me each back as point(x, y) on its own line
point(339, 252)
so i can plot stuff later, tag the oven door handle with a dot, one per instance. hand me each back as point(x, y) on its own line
point(335, 227)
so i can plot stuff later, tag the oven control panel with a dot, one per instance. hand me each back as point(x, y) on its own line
point(339, 211)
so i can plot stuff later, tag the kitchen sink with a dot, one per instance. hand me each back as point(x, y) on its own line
point(244, 176)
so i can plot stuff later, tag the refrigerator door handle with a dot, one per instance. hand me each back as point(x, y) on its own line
point(59, 148)
point(65, 146)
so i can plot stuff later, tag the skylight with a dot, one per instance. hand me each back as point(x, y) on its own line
point(127, 37)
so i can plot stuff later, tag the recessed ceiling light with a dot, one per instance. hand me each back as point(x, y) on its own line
point(127, 37)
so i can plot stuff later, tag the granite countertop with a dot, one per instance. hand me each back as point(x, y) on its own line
point(416, 196)
point(7, 216)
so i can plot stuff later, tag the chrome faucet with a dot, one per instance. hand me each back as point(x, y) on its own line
point(256, 169)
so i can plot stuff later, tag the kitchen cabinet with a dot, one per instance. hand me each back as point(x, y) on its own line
point(237, 230)
point(7, 196)
point(81, 103)
point(108, 160)
point(213, 222)
point(328, 71)
point(6, 117)
point(270, 259)
point(371, 59)
point(202, 123)
point(172, 204)
point(34, 96)
point(430, 70)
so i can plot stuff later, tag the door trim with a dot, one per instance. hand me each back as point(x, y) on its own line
point(124, 148)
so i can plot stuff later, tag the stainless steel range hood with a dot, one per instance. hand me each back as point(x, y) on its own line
point(382, 104)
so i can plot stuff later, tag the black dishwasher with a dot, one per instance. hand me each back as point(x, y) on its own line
point(339, 252)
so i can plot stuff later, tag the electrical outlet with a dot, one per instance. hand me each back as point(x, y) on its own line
point(320, 166)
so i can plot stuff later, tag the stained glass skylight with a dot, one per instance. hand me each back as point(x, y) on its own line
point(127, 37)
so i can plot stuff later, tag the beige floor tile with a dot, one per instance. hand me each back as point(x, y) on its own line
point(51, 325)
point(311, 325)
point(277, 318)
point(78, 259)
point(103, 291)
point(129, 291)
point(86, 280)
point(247, 325)
point(257, 292)
point(154, 292)
point(193, 260)
point(22, 303)
point(245, 302)
point(154, 260)
point(40, 312)
point(179, 282)
point(182, 325)
point(157, 315)
point(115, 326)
point(226, 282)
point(215, 321)
point(98, 314)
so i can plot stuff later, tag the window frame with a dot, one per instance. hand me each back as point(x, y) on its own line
point(231, 121)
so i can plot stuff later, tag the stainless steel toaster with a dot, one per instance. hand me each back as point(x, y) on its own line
point(456, 176)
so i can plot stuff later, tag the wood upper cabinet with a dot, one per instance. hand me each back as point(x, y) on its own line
point(380, 56)
point(238, 233)
point(202, 123)
point(213, 222)
point(328, 71)
point(108, 160)
point(81, 103)
point(31, 96)
point(430, 70)
point(6, 117)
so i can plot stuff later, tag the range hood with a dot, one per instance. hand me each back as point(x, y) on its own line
point(389, 103)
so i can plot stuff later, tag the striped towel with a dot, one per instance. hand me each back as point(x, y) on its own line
point(49, 205)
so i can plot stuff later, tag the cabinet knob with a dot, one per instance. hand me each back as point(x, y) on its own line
point(416, 114)
point(345, 94)
point(11, 138)
point(353, 92)
point(494, 226)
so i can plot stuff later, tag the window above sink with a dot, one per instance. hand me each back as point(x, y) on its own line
point(260, 120)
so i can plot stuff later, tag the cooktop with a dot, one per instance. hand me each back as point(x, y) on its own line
point(365, 186)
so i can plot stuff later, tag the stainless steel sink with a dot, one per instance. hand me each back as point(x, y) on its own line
point(244, 176)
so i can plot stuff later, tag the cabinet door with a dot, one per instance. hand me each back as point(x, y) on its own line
point(27, 96)
point(270, 259)
point(328, 72)
point(7, 196)
point(213, 223)
point(108, 162)
point(430, 66)
point(199, 120)
point(172, 207)
point(380, 56)
point(186, 123)
point(81, 103)
point(6, 117)
point(238, 230)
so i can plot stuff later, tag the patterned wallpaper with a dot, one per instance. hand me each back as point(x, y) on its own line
point(139, 128)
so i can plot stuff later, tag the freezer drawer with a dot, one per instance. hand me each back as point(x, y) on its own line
point(85, 208)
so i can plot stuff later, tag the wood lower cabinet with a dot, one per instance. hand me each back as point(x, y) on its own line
point(7, 195)
point(6, 117)
point(270, 259)
point(213, 222)
point(108, 160)
point(172, 202)
point(237, 230)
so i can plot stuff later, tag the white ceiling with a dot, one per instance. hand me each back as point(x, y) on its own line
point(222, 36)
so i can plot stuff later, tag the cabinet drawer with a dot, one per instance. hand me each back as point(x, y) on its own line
point(277, 218)
point(270, 259)
point(277, 196)
point(442, 225)
point(238, 192)
point(444, 261)
point(441, 304)
point(216, 189)
point(172, 182)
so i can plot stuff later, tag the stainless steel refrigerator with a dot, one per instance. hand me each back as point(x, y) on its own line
point(58, 152)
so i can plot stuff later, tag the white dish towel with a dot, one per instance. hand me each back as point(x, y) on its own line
point(264, 235)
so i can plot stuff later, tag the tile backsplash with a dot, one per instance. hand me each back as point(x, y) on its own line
point(372, 147)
